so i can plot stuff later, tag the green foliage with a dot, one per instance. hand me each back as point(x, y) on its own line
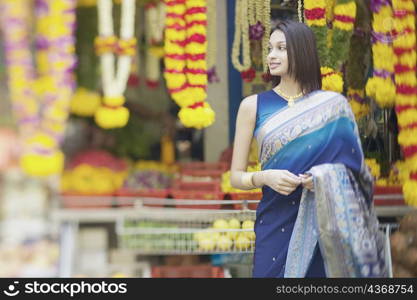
point(340, 41)
point(131, 141)
point(321, 39)
point(87, 69)
point(359, 48)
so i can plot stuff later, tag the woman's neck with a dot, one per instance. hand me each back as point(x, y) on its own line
point(289, 86)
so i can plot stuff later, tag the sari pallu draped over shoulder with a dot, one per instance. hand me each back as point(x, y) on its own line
point(319, 135)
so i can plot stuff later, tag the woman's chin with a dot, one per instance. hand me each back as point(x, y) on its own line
point(276, 73)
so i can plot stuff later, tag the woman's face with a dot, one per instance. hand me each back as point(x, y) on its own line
point(277, 54)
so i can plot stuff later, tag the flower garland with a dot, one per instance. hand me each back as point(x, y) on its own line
point(185, 60)
point(112, 114)
point(21, 73)
point(332, 45)
point(241, 37)
point(300, 11)
point(266, 21)
point(375, 168)
point(41, 127)
point(252, 22)
point(154, 28)
point(356, 64)
point(212, 41)
point(406, 89)
point(85, 102)
point(381, 86)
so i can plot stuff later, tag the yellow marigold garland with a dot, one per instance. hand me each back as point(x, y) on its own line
point(406, 87)
point(356, 99)
point(85, 103)
point(381, 86)
point(185, 60)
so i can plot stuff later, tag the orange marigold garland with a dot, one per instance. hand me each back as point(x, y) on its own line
point(406, 87)
point(185, 60)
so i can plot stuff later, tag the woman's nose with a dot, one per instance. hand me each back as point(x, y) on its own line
point(272, 54)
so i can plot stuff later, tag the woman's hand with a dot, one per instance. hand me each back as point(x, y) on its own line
point(281, 181)
point(307, 181)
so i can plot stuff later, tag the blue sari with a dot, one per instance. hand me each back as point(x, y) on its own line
point(333, 231)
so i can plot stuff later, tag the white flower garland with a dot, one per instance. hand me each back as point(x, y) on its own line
point(154, 34)
point(248, 13)
point(266, 21)
point(252, 12)
point(241, 37)
point(156, 22)
point(114, 85)
point(300, 11)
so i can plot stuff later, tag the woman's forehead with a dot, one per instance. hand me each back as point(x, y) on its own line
point(276, 37)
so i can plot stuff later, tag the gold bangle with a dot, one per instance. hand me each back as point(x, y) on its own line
point(247, 180)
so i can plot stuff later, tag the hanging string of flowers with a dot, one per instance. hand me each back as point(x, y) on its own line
point(41, 127)
point(333, 45)
point(212, 41)
point(154, 29)
point(185, 60)
point(381, 86)
point(21, 73)
point(357, 62)
point(252, 23)
point(112, 114)
point(266, 22)
point(406, 88)
point(241, 37)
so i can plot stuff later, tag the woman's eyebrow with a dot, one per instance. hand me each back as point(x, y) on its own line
point(277, 43)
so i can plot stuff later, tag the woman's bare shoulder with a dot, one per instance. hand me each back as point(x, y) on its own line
point(248, 105)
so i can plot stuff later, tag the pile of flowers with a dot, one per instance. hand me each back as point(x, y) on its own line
point(149, 175)
point(94, 172)
point(90, 180)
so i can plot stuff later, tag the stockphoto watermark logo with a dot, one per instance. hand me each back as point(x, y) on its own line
point(12, 289)
point(70, 289)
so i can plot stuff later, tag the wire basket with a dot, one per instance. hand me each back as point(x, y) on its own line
point(187, 231)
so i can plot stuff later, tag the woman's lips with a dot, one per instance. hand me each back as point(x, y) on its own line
point(273, 66)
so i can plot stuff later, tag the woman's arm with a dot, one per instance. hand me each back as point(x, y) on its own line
point(282, 181)
point(245, 124)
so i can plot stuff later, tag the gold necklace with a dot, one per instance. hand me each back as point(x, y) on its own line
point(290, 99)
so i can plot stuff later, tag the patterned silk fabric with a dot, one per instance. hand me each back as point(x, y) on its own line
point(340, 217)
point(318, 135)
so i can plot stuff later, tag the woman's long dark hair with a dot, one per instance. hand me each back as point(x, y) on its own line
point(303, 59)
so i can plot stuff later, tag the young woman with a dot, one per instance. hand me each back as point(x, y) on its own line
point(315, 218)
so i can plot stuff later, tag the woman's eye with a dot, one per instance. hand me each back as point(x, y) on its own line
point(282, 48)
